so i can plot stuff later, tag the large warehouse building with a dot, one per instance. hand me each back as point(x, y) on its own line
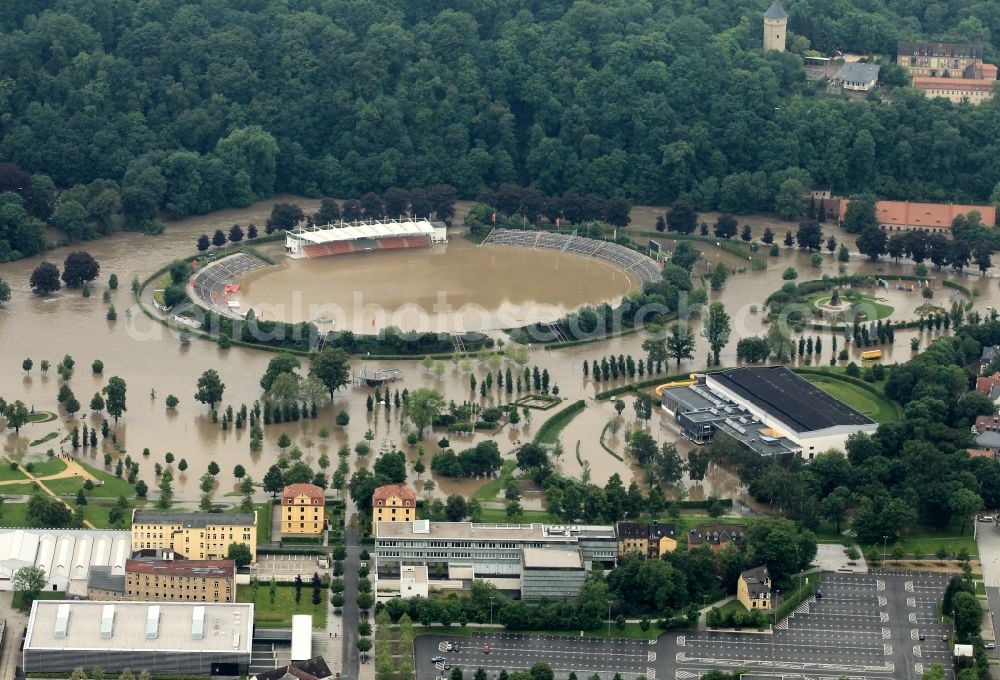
point(65, 555)
point(768, 409)
point(164, 639)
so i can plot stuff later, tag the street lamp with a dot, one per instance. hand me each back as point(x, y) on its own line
point(884, 540)
point(609, 618)
point(774, 626)
point(491, 610)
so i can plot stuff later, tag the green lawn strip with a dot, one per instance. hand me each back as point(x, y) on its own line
point(603, 445)
point(25, 489)
point(7, 474)
point(928, 542)
point(41, 417)
point(263, 520)
point(801, 593)
point(489, 490)
point(47, 467)
point(878, 409)
point(499, 516)
point(882, 310)
point(632, 631)
point(17, 602)
point(279, 614)
point(548, 433)
point(47, 438)
point(14, 515)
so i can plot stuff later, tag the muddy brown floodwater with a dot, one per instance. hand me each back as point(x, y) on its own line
point(456, 287)
point(155, 364)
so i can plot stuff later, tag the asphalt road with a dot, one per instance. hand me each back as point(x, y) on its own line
point(350, 613)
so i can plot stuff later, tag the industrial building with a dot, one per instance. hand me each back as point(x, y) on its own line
point(768, 409)
point(194, 535)
point(458, 552)
point(164, 639)
point(67, 556)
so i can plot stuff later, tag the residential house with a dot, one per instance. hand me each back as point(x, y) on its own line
point(754, 589)
point(194, 535)
point(394, 503)
point(650, 540)
point(716, 535)
point(302, 510)
point(859, 77)
point(988, 355)
point(989, 385)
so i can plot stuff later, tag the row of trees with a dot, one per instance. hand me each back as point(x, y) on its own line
point(464, 113)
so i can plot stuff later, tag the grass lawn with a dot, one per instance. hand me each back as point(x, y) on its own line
point(490, 490)
point(263, 520)
point(17, 602)
point(928, 542)
point(803, 590)
point(25, 489)
point(632, 631)
point(6, 474)
point(67, 486)
point(279, 614)
point(881, 310)
point(14, 514)
point(112, 486)
point(47, 467)
point(41, 417)
point(879, 409)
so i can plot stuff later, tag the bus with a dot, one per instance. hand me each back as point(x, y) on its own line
point(871, 355)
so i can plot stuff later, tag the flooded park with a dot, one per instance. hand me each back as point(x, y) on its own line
point(528, 285)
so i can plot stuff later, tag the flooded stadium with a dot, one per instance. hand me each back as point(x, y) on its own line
point(456, 287)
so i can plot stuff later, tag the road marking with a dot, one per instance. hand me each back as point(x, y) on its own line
point(879, 584)
point(887, 650)
point(913, 617)
point(884, 617)
point(911, 602)
point(651, 656)
point(882, 601)
point(918, 668)
point(681, 641)
point(914, 633)
point(908, 586)
point(916, 651)
point(886, 633)
point(651, 674)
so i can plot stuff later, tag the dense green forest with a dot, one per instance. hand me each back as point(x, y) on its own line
point(179, 107)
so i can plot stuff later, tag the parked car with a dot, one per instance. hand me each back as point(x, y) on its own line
point(435, 659)
point(922, 636)
point(447, 646)
point(819, 593)
point(985, 518)
point(486, 649)
point(944, 638)
point(990, 645)
point(447, 666)
point(455, 647)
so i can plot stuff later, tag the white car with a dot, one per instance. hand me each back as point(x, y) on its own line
point(985, 518)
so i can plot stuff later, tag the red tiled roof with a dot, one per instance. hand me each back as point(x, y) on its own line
point(980, 453)
point(198, 568)
point(384, 492)
point(934, 83)
point(295, 490)
point(986, 383)
point(989, 71)
point(987, 423)
point(939, 215)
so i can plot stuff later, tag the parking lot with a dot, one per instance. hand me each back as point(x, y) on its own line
point(863, 626)
point(285, 567)
point(510, 651)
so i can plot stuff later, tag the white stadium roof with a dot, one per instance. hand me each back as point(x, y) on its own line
point(64, 555)
point(352, 232)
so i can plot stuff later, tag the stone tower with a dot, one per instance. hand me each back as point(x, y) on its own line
point(775, 27)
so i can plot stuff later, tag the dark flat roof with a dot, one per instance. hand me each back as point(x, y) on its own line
point(190, 520)
point(791, 398)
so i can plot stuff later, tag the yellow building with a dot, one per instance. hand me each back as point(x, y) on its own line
point(775, 27)
point(940, 60)
point(302, 509)
point(650, 540)
point(168, 581)
point(754, 589)
point(194, 535)
point(394, 503)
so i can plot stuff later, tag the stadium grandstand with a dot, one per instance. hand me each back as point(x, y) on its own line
point(359, 237)
point(213, 287)
point(631, 262)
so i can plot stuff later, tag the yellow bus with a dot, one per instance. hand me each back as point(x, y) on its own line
point(871, 355)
